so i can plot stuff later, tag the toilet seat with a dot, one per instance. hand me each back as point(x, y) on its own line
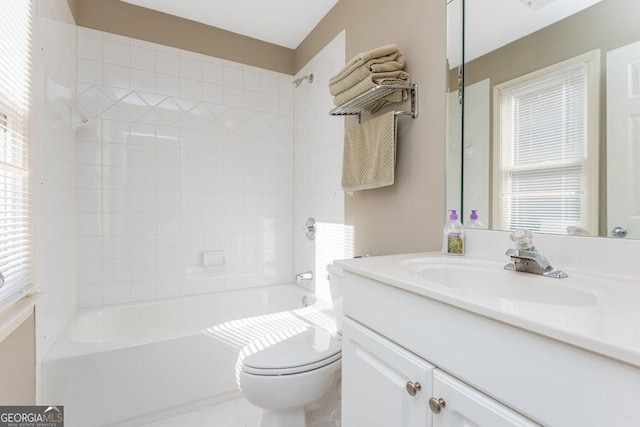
point(301, 352)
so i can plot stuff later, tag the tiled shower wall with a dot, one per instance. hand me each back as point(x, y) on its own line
point(53, 178)
point(183, 154)
point(318, 169)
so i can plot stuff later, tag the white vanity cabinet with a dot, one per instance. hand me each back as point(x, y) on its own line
point(489, 373)
point(386, 385)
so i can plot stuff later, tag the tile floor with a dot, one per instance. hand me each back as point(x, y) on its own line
point(232, 413)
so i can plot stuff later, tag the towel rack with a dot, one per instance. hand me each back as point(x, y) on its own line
point(355, 105)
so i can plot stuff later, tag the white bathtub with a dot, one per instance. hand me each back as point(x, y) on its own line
point(139, 360)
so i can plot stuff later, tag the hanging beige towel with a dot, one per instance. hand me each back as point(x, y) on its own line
point(370, 154)
point(360, 67)
point(391, 78)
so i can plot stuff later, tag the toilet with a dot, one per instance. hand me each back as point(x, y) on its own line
point(295, 377)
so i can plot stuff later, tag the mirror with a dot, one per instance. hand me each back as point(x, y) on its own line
point(548, 134)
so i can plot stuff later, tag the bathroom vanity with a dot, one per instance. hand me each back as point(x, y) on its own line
point(430, 340)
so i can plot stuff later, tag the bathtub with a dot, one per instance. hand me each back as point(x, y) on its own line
point(137, 362)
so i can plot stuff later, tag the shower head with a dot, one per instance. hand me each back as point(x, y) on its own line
point(299, 80)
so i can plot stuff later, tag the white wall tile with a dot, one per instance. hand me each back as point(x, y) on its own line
point(89, 47)
point(144, 81)
point(167, 85)
point(90, 295)
point(89, 176)
point(251, 80)
point(191, 89)
point(187, 153)
point(115, 177)
point(232, 77)
point(270, 85)
point(116, 247)
point(89, 71)
point(213, 93)
point(115, 200)
point(88, 153)
point(167, 63)
point(116, 293)
point(115, 155)
point(167, 158)
point(89, 224)
point(115, 224)
point(143, 223)
point(190, 68)
point(115, 76)
point(115, 53)
point(142, 156)
point(143, 58)
point(88, 201)
point(90, 272)
point(212, 73)
point(232, 96)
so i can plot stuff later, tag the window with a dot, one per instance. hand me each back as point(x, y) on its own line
point(546, 148)
point(15, 224)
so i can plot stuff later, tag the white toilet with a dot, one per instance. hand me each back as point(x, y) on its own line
point(296, 375)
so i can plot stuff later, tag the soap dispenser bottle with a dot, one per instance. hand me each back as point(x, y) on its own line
point(473, 220)
point(453, 236)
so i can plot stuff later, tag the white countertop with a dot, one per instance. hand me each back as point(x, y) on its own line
point(610, 327)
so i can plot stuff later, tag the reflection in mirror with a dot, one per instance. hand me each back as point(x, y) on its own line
point(455, 58)
point(551, 133)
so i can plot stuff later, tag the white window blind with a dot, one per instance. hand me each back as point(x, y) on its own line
point(15, 68)
point(544, 181)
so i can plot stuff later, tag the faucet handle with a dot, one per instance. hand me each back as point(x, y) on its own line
point(522, 238)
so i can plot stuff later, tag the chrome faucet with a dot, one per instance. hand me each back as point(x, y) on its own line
point(307, 275)
point(527, 259)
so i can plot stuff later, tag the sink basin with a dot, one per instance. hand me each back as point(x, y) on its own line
point(496, 282)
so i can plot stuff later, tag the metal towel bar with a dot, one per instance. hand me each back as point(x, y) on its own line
point(356, 105)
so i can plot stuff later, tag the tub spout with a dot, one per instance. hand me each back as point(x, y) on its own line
point(307, 275)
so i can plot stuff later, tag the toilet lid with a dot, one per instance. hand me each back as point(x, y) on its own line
point(302, 351)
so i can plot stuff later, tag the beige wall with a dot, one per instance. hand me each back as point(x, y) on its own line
point(73, 5)
point(409, 215)
point(17, 365)
point(128, 20)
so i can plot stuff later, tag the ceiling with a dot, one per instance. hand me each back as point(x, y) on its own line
point(491, 24)
point(282, 22)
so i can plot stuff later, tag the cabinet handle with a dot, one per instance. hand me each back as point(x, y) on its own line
point(436, 405)
point(413, 388)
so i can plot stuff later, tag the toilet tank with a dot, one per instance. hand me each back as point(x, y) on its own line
point(335, 284)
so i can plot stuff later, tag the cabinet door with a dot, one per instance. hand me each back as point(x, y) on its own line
point(375, 379)
point(464, 406)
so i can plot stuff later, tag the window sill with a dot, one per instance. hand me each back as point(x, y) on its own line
point(14, 314)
